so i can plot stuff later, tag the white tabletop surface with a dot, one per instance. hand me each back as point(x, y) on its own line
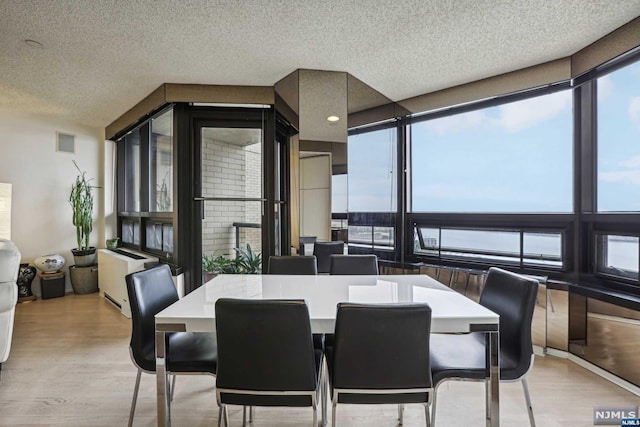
point(451, 311)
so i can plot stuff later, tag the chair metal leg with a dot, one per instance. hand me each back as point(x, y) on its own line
point(324, 392)
point(400, 413)
point(226, 415)
point(135, 398)
point(220, 414)
point(315, 416)
point(433, 407)
point(553, 310)
point(525, 387)
point(486, 400)
point(333, 413)
point(244, 416)
point(173, 386)
point(427, 416)
point(251, 414)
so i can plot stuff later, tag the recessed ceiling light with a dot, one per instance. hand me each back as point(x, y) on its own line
point(333, 118)
point(34, 43)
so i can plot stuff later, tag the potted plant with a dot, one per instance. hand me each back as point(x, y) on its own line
point(81, 201)
point(84, 274)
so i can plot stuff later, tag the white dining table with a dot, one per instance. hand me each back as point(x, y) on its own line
point(451, 312)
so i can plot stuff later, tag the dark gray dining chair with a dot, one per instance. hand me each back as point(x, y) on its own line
point(381, 356)
point(306, 265)
point(151, 291)
point(353, 264)
point(263, 360)
point(323, 250)
point(463, 357)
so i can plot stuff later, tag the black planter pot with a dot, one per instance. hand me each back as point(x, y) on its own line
point(26, 274)
point(84, 257)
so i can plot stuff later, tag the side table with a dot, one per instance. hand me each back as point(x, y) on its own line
point(52, 284)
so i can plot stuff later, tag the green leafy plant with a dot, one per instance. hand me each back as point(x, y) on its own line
point(250, 262)
point(219, 265)
point(247, 262)
point(81, 201)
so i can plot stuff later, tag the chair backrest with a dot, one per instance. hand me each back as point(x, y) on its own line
point(150, 291)
point(380, 346)
point(264, 345)
point(323, 250)
point(353, 264)
point(293, 265)
point(513, 297)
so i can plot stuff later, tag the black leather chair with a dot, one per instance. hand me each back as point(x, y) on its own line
point(353, 264)
point(306, 265)
point(381, 355)
point(151, 291)
point(323, 250)
point(513, 297)
point(293, 265)
point(262, 359)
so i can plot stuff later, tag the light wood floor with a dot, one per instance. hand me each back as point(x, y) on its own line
point(70, 366)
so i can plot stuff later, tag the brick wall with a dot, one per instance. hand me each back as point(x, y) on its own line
point(230, 170)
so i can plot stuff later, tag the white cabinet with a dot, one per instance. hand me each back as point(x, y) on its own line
point(113, 267)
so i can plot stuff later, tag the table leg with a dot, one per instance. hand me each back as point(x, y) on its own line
point(493, 380)
point(162, 385)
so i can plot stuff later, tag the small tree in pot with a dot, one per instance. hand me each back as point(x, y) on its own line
point(81, 201)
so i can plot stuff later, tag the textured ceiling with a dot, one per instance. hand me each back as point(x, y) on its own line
point(101, 57)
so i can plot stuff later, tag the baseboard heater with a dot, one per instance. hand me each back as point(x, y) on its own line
point(114, 266)
point(113, 301)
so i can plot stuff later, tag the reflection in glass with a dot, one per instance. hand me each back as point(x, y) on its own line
point(339, 193)
point(426, 241)
point(542, 249)
point(131, 232)
point(167, 238)
point(154, 236)
point(159, 237)
point(618, 255)
point(383, 237)
point(161, 163)
point(132, 171)
point(372, 166)
point(496, 245)
point(361, 234)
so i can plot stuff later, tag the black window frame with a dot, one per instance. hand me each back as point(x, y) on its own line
point(145, 214)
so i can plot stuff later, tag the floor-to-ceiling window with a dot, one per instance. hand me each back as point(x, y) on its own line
point(145, 190)
point(617, 232)
point(494, 184)
point(372, 190)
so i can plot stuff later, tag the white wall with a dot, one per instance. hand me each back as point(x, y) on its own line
point(315, 197)
point(42, 179)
